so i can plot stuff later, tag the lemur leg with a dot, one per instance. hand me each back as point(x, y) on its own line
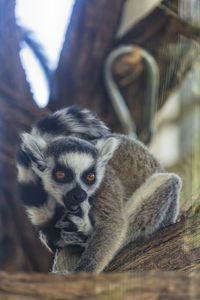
point(154, 204)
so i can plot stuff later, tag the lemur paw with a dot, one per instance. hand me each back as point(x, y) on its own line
point(70, 232)
point(73, 238)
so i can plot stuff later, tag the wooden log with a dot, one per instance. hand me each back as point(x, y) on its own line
point(126, 286)
point(80, 82)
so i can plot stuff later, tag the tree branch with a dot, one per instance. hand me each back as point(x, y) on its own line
point(147, 285)
point(186, 29)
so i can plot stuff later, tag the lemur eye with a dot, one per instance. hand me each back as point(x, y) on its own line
point(60, 174)
point(90, 177)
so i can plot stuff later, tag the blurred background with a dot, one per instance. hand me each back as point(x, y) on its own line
point(53, 54)
point(176, 139)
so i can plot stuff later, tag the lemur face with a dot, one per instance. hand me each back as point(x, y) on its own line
point(68, 169)
point(72, 172)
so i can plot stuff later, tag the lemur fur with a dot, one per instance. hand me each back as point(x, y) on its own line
point(129, 197)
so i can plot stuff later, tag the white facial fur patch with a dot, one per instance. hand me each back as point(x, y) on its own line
point(41, 215)
point(56, 190)
point(78, 162)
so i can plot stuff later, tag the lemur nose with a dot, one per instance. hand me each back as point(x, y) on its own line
point(79, 197)
point(75, 196)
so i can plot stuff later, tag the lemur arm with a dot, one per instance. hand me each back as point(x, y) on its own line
point(102, 246)
point(110, 228)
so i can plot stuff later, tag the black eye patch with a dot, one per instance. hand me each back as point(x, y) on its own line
point(61, 174)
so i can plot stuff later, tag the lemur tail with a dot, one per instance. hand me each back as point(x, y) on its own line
point(73, 121)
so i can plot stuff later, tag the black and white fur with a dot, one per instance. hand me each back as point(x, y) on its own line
point(70, 121)
point(46, 148)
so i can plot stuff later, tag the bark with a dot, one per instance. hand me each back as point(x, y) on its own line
point(90, 35)
point(141, 286)
point(19, 246)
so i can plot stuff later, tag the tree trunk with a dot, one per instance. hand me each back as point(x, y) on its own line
point(88, 40)
point(19, 246)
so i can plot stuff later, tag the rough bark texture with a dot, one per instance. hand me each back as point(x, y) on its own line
point(143, 286)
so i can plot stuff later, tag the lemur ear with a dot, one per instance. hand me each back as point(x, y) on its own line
point(106, 148)
point(34, 148)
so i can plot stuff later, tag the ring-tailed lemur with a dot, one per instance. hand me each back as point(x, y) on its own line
point(43, 209)
point(130, 194)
